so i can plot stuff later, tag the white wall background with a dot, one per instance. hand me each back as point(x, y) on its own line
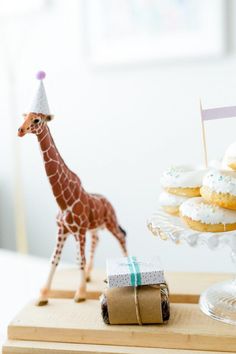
point(117, 127)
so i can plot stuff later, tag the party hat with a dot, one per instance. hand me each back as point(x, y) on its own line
point(40, 102)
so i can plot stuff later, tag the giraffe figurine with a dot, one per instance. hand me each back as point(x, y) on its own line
point(79, 211)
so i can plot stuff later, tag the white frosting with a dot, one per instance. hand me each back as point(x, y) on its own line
point(199, 210)
point(230, 156)
point(172, 200)
point(182, 177)
point(221, 181)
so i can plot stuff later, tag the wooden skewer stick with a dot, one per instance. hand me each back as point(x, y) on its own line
point(204, 137)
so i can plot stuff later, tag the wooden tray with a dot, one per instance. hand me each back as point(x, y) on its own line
point(66, 281)
point(68, 322)
point(28, 347)
point(184, 287)
point(82, 323)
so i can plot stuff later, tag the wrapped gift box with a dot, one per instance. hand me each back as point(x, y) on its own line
point(147, 304)
point(133, 271)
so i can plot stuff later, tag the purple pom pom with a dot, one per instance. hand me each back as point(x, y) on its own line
point(40, 75)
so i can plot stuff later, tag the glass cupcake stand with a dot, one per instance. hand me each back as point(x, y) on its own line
point(219, 300)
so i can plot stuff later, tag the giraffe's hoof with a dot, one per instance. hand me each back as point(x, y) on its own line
point(80, 295)
point(79, 299)
point(41, 302)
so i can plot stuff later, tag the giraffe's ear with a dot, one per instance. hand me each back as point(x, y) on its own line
point(49, 117)
point(24, 115)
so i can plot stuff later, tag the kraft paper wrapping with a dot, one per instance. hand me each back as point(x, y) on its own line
point(118, 305)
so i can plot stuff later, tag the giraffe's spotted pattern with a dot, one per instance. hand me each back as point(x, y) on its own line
point(79, 210)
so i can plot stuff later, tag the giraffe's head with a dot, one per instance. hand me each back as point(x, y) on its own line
point(34, 123)
point(39, 115)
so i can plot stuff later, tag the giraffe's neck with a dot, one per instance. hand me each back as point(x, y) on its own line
point(66, 186)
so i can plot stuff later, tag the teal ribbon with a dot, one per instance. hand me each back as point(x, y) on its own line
point(135, 275)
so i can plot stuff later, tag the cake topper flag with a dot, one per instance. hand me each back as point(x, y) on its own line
point(40, 102)
point(211, 114)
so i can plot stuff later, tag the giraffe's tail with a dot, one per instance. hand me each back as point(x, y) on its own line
point(123, 231)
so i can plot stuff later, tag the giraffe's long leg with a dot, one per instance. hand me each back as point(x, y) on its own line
point(56, 256)
point(80, 294)
point(94, 242)
point(114, 228)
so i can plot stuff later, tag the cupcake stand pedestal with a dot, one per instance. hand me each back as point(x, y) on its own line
point(219, 300)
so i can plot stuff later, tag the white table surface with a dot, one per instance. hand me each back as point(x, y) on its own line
point(21, 278)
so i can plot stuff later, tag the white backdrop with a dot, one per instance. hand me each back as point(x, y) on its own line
point(118, 128)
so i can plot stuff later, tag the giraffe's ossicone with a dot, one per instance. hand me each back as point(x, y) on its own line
point(79, 211)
